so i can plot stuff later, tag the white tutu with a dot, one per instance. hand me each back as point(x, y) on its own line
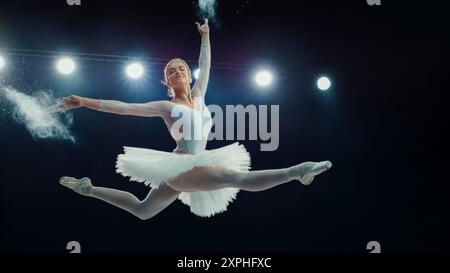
point(153, 167)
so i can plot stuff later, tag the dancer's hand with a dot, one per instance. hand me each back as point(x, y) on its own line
point(71, 102)
point(203, 29)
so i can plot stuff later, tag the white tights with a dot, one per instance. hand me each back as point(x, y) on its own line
point(198, 179)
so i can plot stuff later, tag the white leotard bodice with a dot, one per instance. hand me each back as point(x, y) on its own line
point(189, 127)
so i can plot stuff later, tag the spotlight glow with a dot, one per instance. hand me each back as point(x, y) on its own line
point(65, 66)
point(2, 62)
point(134, 70)
point(263, 78)
point(323, 83)
point(196, 73)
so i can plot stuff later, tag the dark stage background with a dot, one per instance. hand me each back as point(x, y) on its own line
point(381, 124)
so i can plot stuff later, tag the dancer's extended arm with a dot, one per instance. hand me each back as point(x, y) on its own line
point(149, 109)
point(204, 61)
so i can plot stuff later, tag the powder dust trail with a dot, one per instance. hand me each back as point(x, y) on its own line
point(207, 9)
point(39, 113)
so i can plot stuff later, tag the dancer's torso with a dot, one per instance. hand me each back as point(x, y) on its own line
point(189, 127)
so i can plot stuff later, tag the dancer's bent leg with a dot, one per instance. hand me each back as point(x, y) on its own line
point(155, 202)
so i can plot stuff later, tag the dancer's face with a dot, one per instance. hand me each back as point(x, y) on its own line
point(177, 74)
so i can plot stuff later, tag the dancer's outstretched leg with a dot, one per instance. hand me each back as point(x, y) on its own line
point(155, 202)
point(207, 178)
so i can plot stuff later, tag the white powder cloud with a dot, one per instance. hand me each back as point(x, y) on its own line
point(40, 114)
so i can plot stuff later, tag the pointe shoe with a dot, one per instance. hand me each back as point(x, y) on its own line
point(306, 171)
point(318, 168)
point(82, 186)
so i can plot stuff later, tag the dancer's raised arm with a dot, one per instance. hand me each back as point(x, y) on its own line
point(149, 109)
point(204, 61)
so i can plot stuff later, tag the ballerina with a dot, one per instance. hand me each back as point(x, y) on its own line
point(205, 180)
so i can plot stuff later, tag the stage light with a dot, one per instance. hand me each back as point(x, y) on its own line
point(323, 83)
point(263, 78)
point(65, 66)
point(196, 73)
point(135, 70)
point(2, 62)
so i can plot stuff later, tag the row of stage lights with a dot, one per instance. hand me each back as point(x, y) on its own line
point(134, 71)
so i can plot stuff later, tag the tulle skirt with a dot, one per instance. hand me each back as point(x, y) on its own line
point(154, 167)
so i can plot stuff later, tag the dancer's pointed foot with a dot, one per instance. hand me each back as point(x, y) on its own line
point(306, 171)
point(82, 186)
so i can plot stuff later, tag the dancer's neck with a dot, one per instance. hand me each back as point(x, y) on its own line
point(184, 95)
